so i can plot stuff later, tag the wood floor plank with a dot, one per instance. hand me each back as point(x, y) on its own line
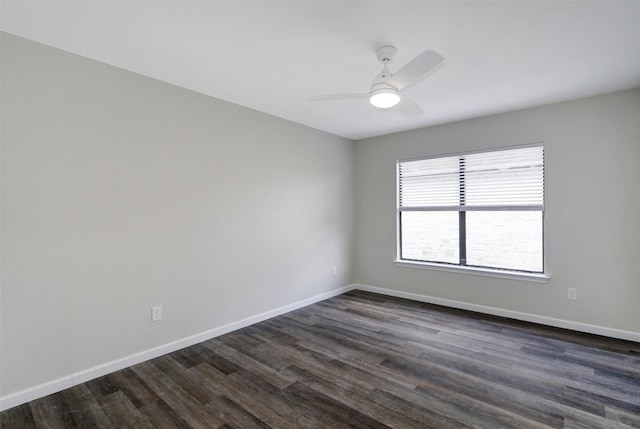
point(628, 418)
point(51, 412)
point(83, 408)
point(361, 360)
point(197, 388)
point(234, 414)
point(331, 412)
point(252, 365)
point(259, 405)
point(122, 413)
point(364, 400)
point(181, 401)
point(147, 400)
point(18, 417)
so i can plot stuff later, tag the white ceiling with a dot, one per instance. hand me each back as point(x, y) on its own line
point(271, 55)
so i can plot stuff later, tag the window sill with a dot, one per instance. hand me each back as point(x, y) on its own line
point(488, 272)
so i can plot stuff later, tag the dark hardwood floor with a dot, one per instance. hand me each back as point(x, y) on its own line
point(365, 361)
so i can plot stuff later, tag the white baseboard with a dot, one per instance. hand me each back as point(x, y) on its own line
point(527, 317)
point(42, 390)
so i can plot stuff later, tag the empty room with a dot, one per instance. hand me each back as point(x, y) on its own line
point(320, 214)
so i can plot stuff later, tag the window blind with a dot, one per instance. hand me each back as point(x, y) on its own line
point(510, 179)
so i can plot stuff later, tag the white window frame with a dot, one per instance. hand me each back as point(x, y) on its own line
point(483, 271)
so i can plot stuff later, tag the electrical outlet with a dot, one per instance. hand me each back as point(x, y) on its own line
point(156, 313)
point(335, 270)
point(572, 293)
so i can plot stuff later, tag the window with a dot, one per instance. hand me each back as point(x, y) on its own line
point(482, 210)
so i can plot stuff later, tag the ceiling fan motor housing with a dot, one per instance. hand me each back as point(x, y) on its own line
point(385, 53)
point(381, 78)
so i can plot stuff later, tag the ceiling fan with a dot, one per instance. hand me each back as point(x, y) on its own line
point(386, 87)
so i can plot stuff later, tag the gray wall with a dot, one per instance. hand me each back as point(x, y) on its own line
point(592, 175)
point(120, 192)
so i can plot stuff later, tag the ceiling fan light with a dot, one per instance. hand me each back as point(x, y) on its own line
point(384, 98)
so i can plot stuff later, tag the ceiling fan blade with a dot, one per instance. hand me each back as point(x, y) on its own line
point(416, 69)
point(409, 107)
point(339, 96)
